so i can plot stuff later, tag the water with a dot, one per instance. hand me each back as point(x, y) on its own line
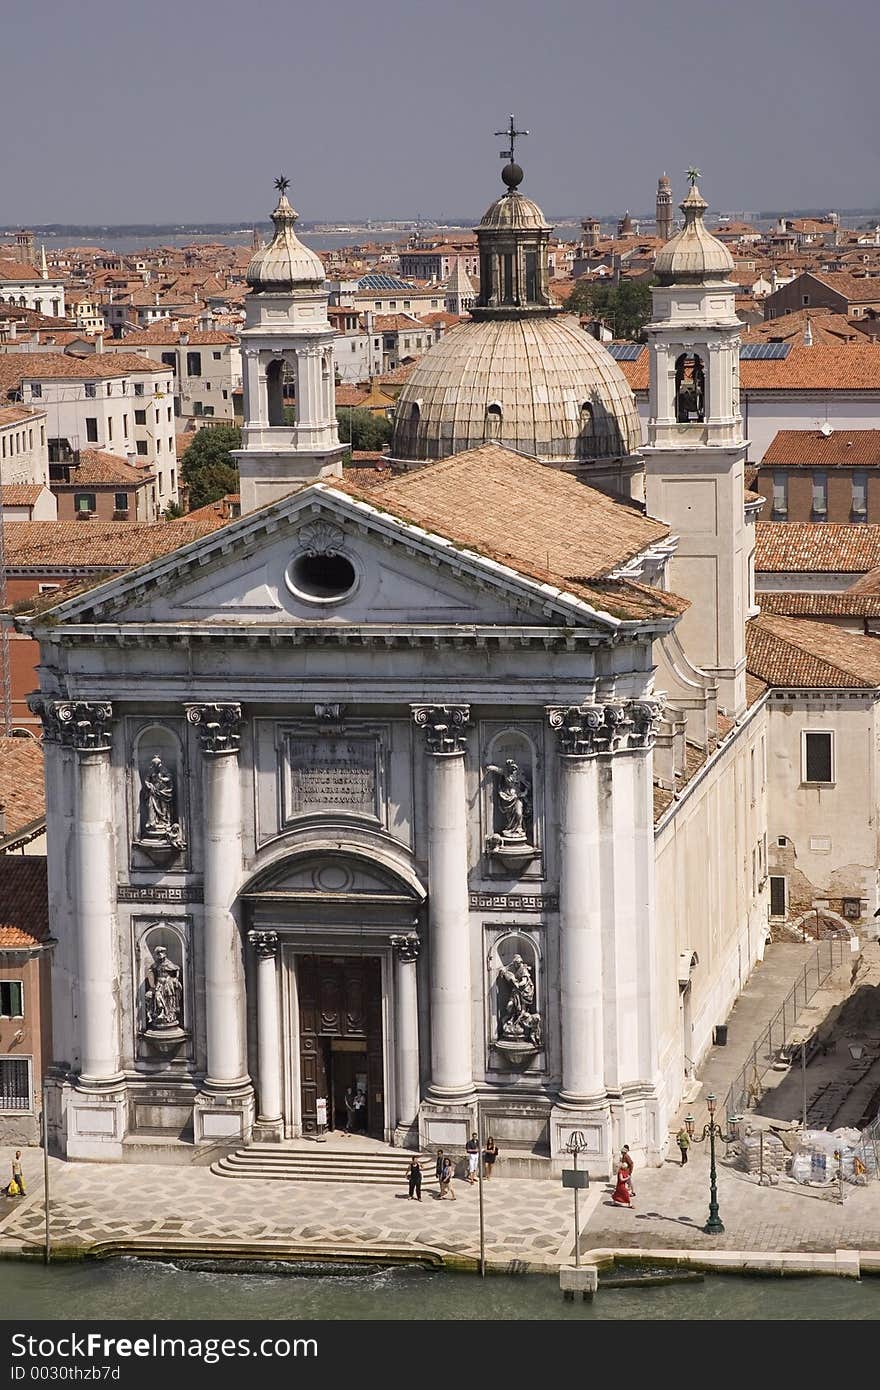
point(158, 1290)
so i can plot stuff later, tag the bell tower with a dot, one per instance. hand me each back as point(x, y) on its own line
point(289, 437)
point(695, 456)
point(664, 208)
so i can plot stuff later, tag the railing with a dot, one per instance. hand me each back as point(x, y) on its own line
point(747, 1089)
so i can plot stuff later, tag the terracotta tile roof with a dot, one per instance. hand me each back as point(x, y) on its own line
point(24, 900)
point(398, 376)
point(816, 547)
point(825, 326)
point(18, 270)
point(42, 366)
point(14, 414)
point(755, 688)
point(97, 467)
point(22, 794)
point(536, 519)
point(858, 289)
point(811, 449)
point(351, 395)
point(21, 494)
point(868, 584)
point(161, 335)
point(807, 655)
point(97, 544)
point(825, 366)
point(812, 605)
point(221, 511)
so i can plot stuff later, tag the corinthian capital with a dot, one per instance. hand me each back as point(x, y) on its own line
point(406, 947)
point(644, 716)
point(265, 943)
point(579, 728)
point(219, 727)
point(80, 724)
point(443, 726)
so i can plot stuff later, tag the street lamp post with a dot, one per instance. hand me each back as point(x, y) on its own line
point(573, 1178)
point(711, 1131)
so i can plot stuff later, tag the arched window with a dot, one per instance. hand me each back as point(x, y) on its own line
point(493, 420)
point(690, 388)
point(275, 391)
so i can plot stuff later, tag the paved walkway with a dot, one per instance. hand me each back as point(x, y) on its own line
point(528, 1223)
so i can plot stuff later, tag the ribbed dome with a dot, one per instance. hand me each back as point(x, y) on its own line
point(540, 385)
point(514, 210)
point(285, 264)
point(693, 255)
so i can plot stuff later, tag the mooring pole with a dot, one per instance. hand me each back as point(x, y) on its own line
point(480, 1194)
point(47, 1254)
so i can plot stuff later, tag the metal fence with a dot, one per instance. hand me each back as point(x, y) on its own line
point(747, 1089)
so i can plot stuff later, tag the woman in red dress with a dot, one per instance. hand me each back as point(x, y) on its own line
point(622, 1197)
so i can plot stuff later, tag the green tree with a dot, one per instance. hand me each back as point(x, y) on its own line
point(362, 429)
point(207, 468)
point(626, 307)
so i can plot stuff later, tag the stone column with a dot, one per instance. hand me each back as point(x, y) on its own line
point(269, 1118)
point(219, 732)
point(580, 919)
point(406, 1030)
point(96, 1118)
point(450, 960)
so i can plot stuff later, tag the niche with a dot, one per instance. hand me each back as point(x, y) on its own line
point(690, 388)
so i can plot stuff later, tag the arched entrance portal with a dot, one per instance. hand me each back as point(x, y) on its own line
point(333, 1008)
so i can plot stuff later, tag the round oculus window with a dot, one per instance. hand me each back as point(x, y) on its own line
point(327, 577)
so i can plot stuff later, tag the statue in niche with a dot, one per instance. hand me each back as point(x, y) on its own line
point(163, 995)
point(513, 800)
point(518, 1021)
point(158, 821)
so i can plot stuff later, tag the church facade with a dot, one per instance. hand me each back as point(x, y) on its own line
point(358, 795)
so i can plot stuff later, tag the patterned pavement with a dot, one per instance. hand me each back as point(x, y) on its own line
point(528, 1222)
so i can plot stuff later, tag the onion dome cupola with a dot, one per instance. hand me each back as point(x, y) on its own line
point(693, 256)
point(285, 264)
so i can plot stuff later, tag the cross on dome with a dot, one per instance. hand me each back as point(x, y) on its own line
point(512, 135)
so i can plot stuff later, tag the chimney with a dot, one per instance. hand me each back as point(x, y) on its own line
point(184, 339)
point(808, 334)
point(99, 342)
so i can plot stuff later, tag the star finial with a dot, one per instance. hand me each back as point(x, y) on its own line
point(282, 184)
point(693, 174)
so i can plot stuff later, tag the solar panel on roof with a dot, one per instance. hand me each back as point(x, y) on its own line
point(764, 352)
point(626, 352)
point(383, 282)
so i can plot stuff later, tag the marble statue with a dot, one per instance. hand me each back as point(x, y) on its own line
point(157, 805)
point(513, 797)
point(518, 1020)
point(164, 992)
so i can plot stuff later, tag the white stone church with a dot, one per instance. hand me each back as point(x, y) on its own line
point(377, 789)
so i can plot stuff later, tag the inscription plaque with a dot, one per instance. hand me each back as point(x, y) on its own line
point(332, 774)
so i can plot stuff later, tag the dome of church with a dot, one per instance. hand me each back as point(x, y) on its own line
point(514, 210)
point(537, 384)
point(285, 264)
point(693, 255)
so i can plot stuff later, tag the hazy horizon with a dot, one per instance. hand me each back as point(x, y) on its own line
point(185, 113)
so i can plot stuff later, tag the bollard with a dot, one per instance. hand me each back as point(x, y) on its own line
point(573, 1279)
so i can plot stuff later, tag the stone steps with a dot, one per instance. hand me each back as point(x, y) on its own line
point(272, 1162)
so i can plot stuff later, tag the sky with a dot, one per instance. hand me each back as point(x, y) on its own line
point(186, 110)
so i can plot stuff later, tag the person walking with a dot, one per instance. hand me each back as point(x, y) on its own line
point(446, 1176)
point(490, 1156)
point(18, 1175)
point(439, 1168)
point(414, 1178)
point(472, 1149)
point(350, 1110)
point(626, 1161)
point(683, 1141)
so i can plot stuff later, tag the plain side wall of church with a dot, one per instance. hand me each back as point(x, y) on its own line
point(712, 899)
point(832, 847)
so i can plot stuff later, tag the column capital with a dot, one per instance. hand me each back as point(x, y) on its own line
point(219, 727)
point(577, 728)
point(443, 726)
point(406, 946)
point(265, 943)
point(645, 716)
point(80, 724)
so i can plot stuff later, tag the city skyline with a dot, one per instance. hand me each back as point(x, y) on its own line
point(191, 130)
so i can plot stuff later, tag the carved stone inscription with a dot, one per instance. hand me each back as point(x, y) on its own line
point(332, 774)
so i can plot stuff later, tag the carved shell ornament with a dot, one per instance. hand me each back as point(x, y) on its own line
point(321, 538)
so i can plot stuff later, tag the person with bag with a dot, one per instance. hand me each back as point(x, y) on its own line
point(447, 1173)
point(683, 1141)
point(17, 1188)
point(414, 1176)
point(490, 1155)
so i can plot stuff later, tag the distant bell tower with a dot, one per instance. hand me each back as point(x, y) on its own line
point(592, 232)
point(664, 208)
point(695, 455)
point(289, 438)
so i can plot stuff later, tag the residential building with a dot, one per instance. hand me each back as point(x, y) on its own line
point(842, 293)
point(206, 367)
point(24, 449)
point(25, 995)
point(22, 284)
point(97, 485)
point(823, 475)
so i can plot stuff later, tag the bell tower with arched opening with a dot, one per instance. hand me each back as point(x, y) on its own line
point(289, 438)
point(695, 456)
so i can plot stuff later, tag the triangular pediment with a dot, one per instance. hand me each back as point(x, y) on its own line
point(278, 567)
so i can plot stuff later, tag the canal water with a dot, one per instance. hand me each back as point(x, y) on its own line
point(148, 1291)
